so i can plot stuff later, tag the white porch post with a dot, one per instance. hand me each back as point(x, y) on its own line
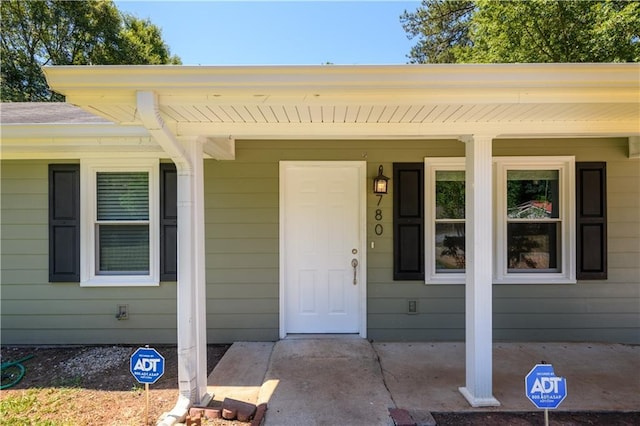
point(479, 277)
point(200, 282)
point(192, 352)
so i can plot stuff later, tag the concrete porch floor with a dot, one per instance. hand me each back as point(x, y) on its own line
point(317, 380)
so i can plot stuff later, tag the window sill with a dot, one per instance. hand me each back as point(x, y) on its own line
point(529, 279)
point(445, 279)
point(120, 281)
point(524, 280)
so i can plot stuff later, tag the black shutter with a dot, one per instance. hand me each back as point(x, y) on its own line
point(591, 220)
point(64, 223)
point(168, 222)
point(408, 221)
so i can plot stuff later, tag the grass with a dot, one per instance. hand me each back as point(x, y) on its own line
point(39, 407)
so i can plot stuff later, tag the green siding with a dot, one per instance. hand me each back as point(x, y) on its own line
point(241, 202)
point(242, 275)
point(589, 310)
point(35, 311)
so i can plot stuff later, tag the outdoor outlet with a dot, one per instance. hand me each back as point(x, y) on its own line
point(123, 312)
point(413, 307)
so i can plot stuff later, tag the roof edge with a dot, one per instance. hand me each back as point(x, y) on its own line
point(66, 79)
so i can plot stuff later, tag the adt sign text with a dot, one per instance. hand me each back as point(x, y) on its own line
point(543, 388)
point(147, 365)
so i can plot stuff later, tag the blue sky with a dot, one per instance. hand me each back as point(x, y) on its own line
point(280, 32)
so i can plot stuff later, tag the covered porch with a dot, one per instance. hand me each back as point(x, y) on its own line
point(319, 379)
point(193, 113)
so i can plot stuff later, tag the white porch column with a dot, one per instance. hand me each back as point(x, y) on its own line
point(200, 282)
point(192, 342)
point(479, 277)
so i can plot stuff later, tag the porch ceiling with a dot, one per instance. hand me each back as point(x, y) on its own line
point(403, 101)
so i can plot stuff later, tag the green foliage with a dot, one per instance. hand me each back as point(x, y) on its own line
point(450, 199)
point(142, 42)
point(50, 32)
point(440, 25)
point(526, 31)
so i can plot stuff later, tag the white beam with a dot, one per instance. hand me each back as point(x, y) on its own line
point(479, 260)
point(381, 131)
point(220, 148)
point(634, 147)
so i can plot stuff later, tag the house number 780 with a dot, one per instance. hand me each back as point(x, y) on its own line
point(378, 228)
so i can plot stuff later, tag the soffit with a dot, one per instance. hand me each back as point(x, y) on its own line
point(366, 101)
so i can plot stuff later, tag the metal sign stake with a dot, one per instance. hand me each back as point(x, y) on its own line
point(546, 417)
point(146, 410)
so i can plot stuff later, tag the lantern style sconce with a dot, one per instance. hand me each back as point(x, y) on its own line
point(380, 183)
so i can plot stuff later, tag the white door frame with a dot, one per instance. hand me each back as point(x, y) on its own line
point(362, 243)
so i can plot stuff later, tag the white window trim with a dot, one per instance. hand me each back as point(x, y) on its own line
point(566, 171)
point(431, 166)
point(566, 167)
point(88, 194)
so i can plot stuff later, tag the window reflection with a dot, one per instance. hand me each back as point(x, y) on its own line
point(532, 220)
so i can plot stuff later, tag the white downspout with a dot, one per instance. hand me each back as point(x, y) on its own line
point(191, 284)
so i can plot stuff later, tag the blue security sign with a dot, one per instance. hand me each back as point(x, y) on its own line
point(543, 388)
point(147, 365)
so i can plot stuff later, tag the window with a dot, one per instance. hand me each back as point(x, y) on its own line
point(533, 220)
point(122, 223)
point(445, 218)
point(119, 227)
point(126, 220)
point(535, 225)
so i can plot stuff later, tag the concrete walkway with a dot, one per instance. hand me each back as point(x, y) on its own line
point(347, 380)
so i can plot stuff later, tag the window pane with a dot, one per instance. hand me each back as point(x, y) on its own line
point(533, 246)
point(123, 249)
point(450, 255)
point(449, 194)
point(532, 194)
point(123, 195)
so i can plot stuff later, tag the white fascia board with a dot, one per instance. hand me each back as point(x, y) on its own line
point(61, 130)
point(380, 76)
point(269, 80)
point(33, 141)
point(79, 152)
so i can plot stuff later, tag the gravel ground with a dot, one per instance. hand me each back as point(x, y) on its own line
point(88, 385)
point(95, 360)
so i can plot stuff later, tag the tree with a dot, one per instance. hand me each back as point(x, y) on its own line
point(440, 25)
point(528, 31)
point(50, 32)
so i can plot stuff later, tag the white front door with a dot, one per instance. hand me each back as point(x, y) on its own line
point(322, 237)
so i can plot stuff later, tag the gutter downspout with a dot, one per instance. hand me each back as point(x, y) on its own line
point(190, 287)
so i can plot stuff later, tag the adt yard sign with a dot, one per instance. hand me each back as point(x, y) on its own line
point(147, 365)
point(543, 388)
